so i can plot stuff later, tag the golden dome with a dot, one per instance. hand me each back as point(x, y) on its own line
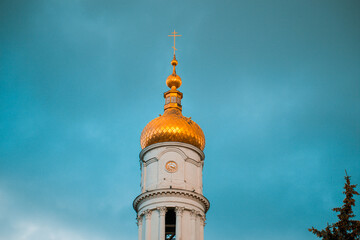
point(172, 127)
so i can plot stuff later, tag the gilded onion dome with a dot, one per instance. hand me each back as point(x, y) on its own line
point(172, 126)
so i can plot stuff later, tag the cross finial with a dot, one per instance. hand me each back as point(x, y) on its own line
point(174, 35)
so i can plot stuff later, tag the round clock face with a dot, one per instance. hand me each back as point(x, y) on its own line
point(171, 166)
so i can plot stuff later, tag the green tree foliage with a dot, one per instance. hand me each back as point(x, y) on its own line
point(345, 228)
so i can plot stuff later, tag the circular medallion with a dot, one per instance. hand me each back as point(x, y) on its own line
point(171, 166)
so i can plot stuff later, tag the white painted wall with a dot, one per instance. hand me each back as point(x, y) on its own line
point(188, 175)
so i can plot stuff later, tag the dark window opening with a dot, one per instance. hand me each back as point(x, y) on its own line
point(170, 224)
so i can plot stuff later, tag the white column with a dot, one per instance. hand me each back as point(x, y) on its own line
point(202, 225)
point(162, 212)
point(148, 224)
point(179, 212)
point(193, 225)
point(197, 224)
point(139, 223)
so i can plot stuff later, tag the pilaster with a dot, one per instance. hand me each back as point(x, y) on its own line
point(179, 213)
point(148, 224)
point(193, 225)
point(202, 225)
point(140, 223)
point(162, 212)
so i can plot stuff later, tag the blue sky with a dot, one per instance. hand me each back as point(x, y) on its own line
point(275, 86)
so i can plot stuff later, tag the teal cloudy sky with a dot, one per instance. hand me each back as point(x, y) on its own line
point(274, 84)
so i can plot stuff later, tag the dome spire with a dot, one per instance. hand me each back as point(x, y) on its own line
point(174, 63)
point(174, 81)
point(172, 126)
point(173, 96)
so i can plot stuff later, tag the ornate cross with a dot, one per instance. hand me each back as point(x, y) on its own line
point(174, 35)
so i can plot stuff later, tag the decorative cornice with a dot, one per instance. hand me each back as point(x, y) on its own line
point(175, 144)
point(168, 192)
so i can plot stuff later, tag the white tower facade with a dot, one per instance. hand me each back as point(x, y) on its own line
point(171, 204)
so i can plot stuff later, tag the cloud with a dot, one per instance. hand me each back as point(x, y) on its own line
point(22, 221)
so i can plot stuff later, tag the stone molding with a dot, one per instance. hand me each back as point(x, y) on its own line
point(174, 144)
point(139, 220)
point(151, 160)
point(193, 214)
point(148, 214)
point(179, 210)
point(196, 163)
point(172, 149)
point(156, 159)
point(162, 210)
point(202, 220)
point(171, 192)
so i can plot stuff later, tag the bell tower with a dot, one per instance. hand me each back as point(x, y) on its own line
point(171, 204)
